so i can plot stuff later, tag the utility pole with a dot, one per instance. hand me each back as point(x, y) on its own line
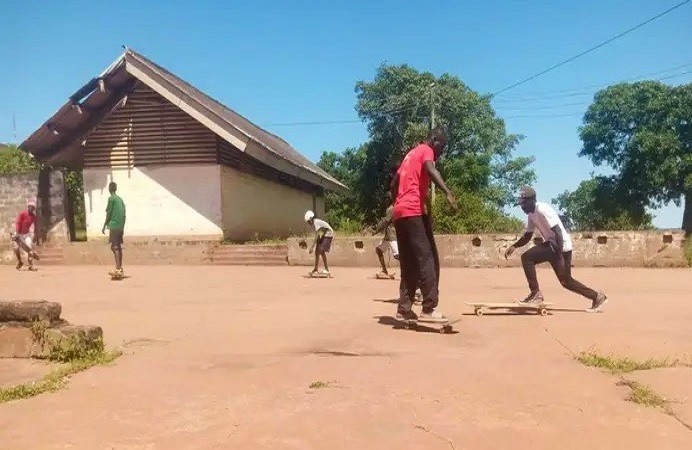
point(432, 125)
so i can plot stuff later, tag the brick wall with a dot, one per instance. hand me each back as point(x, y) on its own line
point(48, 189)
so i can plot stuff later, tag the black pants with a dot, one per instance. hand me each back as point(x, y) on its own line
point(562, 265)
point(419, 262)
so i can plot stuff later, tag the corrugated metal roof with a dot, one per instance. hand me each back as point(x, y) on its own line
point(59, 133)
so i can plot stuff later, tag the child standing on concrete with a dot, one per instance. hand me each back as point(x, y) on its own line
point(324, 234)
point(115, 222)
point(388, 242)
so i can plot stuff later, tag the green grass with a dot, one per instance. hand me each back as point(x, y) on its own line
point(73, 361)
point(642, 394)
point(615, 364)
point(320, 384)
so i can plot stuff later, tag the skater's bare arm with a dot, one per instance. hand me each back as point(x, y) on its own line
point(520, 243)
point(109, 211)
point(523, 240)
point(439, 182)
point(559, 239)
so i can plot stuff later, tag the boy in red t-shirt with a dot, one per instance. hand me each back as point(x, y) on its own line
point(417, 251)
point(22, 239)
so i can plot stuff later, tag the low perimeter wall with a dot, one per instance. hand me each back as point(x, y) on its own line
point(612, 249)
point(597, 249)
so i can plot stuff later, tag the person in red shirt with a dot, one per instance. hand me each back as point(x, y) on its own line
point(22, 239)
point(418, 257)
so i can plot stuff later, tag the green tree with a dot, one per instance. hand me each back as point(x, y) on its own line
point(643, 131)
point(397, 107)
point(601, 204)
point(345, 211)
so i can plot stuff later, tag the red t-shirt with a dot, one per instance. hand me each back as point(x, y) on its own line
point(413, 182)
point(24, 222)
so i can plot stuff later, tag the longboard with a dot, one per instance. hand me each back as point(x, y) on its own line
point(319, 275)
point(381, 276)
point(442, 326)
point(478, 307)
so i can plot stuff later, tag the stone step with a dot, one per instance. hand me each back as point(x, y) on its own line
point(249, 260)
point(251, 249)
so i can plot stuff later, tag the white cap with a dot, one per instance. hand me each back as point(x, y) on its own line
point(309, 215)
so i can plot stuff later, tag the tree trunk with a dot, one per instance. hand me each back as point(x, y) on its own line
point(687, 214)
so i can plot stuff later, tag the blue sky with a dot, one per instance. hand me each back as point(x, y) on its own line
point(298, 61)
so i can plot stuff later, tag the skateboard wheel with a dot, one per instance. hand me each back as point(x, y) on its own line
point(543, 311)
point(479, 312)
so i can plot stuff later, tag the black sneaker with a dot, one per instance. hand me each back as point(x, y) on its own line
point(599, 301)
point(406, 315)
point(19, 265)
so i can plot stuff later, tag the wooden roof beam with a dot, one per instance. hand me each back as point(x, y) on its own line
point(69, 138)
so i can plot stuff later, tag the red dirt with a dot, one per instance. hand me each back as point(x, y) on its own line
point(223, 357)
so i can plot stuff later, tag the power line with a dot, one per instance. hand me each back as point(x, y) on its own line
point(579, 91)
point(579, 55)
point(505, 109)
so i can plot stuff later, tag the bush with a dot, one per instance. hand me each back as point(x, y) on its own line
point(13, 160)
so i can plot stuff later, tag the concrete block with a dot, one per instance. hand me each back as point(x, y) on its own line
point(29, 310)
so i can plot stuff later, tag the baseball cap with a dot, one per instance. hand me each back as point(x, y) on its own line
point(526, 192)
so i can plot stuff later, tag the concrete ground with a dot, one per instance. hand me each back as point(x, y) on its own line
point(224, 357)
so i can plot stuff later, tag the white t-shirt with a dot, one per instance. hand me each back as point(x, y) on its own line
point(544, 218)
point(319, 223)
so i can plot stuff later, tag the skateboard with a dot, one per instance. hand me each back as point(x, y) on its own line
point(23, 246)
point(442, 326)
point(381, 276)
point(541, 308)
point(116, 276)
point(319, 275)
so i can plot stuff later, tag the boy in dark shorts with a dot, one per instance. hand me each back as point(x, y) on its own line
point(323, 240)
point(115, 222)
point(388, 242)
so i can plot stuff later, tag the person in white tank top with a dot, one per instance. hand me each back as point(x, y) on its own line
point(556, 249)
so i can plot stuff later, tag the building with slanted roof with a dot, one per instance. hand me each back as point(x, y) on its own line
point(186, 165)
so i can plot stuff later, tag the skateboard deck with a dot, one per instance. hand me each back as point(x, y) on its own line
point(381, 276)
point(115, 276)
point(319, 275)
point(26, 248)
point(541, 308)
point(441, 326)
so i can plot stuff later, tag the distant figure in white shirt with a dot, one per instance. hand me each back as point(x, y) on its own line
point(555, 249)
point(324, 234)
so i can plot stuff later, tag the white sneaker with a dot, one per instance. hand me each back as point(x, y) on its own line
point(434, 316)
